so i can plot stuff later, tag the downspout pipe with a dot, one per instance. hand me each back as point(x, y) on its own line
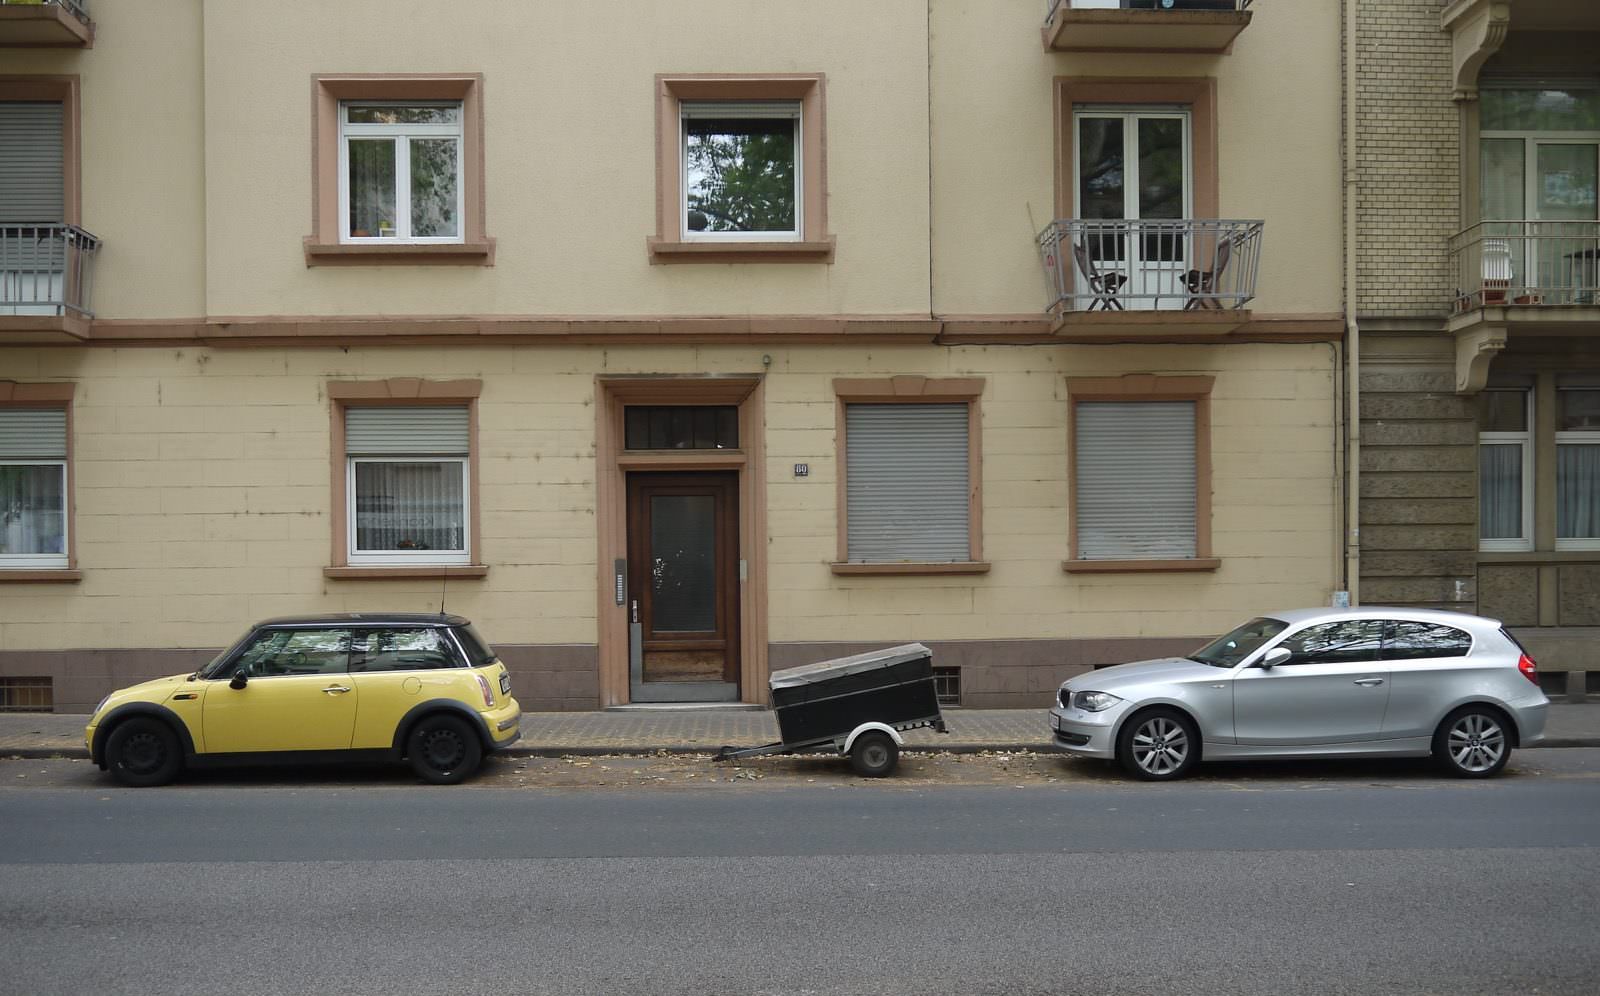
point(1352, 352)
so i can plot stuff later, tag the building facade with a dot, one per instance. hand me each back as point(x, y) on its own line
point(1478, 304)
point(670, 343)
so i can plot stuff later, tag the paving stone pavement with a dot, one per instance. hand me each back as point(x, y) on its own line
point(702, 730)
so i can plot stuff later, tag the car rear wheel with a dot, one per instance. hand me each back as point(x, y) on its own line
point(1472, 743)
point(143, 752)
point(1159, 745)
point(874, 754)
point(443, 749)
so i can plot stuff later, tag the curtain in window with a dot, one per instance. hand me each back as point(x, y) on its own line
point(410, 506)
point(1578, 492)
point(1500, 491)
point(372, 207)
point(32, 509)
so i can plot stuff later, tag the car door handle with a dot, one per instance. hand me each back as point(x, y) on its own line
point(1369, 682)
point(336, 689)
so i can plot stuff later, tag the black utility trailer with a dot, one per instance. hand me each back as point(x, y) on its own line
point(856, 706)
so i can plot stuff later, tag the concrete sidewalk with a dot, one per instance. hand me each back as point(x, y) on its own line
point(685, 731)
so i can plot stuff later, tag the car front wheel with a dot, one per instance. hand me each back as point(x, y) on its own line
point(143, 752)
point(443, 750)
point(1472, 743)
point(1159, 745)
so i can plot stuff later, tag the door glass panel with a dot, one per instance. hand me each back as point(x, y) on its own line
point(1100, 168)
point(683, 577)
point(1566, 182)
point(1337, 643)
point(295, 651)
point(1502, 181)
point(1161, 167)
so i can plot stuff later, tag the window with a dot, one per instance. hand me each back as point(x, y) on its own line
point(909, 460)
point(681, 427)
point(1505, 470)
point(287, 652)
point(1578, 469)
point(402, 650)
point(1140, 472)
point(35, 694)
point(1417, 640)
point(33, 488)
point(398, 171)
point(401, 171)
point(1344, 642)
point(407, 484)
point(39, 197)
point(740, 169)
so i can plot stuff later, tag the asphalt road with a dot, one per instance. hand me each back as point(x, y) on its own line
point(1361, 879)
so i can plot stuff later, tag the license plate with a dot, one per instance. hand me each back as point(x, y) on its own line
point(1055, 722)
point(505, 683)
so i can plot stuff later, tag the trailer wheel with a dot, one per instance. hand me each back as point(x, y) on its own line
point(874, 754)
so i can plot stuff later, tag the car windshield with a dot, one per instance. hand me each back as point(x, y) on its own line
point(1228, 650)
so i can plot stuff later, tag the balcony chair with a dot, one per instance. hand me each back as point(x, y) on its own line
point(1202, 284)
point(1103, 285)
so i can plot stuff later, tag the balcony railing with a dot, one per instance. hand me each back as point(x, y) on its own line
point(46, 269)
point(1140, 264)
point(1526, 262)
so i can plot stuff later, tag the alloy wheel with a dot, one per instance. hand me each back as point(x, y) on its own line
point(1160, 745)
point(1476, 742)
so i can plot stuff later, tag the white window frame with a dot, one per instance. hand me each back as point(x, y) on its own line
point(795, 235)
point(401, 135)
point(1573, 437)
point(1524, 439)
point(408, 558)
point(49, 561)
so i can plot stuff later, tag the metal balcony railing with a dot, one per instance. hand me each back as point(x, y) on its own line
point(1526, 262)
point(46, 269)
point(1052, 5)
point(77, 8)
point(1120, 264)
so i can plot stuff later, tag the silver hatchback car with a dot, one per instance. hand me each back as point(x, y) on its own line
point(1372, 682)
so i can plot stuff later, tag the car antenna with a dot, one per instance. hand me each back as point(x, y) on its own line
point(444, 581)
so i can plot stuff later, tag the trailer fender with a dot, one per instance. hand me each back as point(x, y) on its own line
point(894, 734)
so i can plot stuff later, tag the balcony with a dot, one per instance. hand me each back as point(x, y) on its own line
point(46, 275)
point(46, 24)
point(1203, 26)
point(1524, 278)
point(1127, 278)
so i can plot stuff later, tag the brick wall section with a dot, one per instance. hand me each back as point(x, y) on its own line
point(1409, 137)
point(1419, 508)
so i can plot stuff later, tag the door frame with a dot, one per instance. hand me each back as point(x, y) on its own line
point(612, 464)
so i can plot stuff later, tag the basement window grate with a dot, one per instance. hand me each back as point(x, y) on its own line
point(947, 685)
point(26, 695)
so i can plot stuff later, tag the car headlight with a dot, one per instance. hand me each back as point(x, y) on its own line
point(1094, 701)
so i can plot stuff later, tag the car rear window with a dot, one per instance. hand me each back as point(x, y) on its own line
point(479, 653)
point(1418, 640)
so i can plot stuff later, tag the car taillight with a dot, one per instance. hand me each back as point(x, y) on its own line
point(483, 686)
point(1529, 668)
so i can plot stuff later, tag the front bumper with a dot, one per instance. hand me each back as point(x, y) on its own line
point(1085, 734)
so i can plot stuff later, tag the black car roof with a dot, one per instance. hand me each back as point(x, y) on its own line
point(365, 619)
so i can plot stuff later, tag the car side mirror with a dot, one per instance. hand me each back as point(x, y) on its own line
point(1274, 657)
point(241, 678)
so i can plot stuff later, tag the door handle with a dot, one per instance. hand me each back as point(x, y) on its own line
point(1369, 682)
point(336, 689)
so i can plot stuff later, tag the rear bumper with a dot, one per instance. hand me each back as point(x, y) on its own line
point(504, 725)
point(1530, 723)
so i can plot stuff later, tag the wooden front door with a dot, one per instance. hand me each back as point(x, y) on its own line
point(683, 586)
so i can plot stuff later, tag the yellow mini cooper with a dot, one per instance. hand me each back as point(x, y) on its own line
point(424, 689)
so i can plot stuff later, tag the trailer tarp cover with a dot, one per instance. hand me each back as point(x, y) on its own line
point(808, 674)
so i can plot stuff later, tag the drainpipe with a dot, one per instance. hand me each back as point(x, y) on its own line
point(1352, 188)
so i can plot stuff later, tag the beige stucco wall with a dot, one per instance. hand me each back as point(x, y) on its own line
point(993, 148)
point(202, 493)
point(569, 133)
point(143, 179)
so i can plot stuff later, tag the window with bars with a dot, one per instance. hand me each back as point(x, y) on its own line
point(27, 695)
point(947, 685)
